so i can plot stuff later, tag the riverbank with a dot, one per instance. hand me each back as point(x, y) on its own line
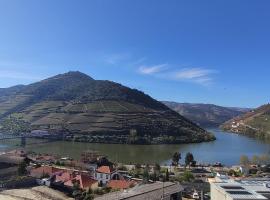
point(207, 152)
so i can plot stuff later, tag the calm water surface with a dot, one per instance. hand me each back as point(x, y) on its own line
point(226, 149)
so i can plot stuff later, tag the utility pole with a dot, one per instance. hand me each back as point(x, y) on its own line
point(163, 189)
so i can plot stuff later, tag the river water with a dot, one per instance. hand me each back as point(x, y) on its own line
point(227, 149)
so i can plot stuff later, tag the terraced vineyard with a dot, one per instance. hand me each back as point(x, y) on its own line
point(103, 108)
point(254, 123)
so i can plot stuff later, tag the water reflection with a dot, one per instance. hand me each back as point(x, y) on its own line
point(227, 149)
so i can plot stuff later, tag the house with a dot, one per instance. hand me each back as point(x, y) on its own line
point(85, 182)
point(43, 171)
point(69, 178)
point(63, 177)
point(104, 174)
point(120, 184)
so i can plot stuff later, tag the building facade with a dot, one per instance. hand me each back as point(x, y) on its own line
point(104, 174)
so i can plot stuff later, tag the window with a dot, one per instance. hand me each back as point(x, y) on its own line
point(107, 176)
point(101, 175)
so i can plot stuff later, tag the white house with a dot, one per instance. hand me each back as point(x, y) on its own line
point(104, 174)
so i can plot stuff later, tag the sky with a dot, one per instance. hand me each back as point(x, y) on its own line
point(185, 51)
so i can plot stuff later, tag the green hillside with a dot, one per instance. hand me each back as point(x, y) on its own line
point(254, 123)
point(77, 105)
point(206, 115)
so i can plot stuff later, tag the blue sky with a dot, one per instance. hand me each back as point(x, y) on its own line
point(186, 51)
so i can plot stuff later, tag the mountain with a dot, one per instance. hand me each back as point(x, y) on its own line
point(11, 90)
point(253, 123)
point(85, 109)
point(206, 115)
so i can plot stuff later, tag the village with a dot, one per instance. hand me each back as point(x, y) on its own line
point(94, 176)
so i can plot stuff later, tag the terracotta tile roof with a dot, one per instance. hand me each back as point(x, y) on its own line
point(120, 184)
point(83, 180)
point(43, 170)
point(63, 177)
point(105, 170)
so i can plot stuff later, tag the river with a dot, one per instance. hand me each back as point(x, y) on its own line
point(227, 149)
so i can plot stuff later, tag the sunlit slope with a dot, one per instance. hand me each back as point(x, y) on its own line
point(75, 103)
point(253, 123)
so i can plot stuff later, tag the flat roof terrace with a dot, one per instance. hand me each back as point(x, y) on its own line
point(250, 189)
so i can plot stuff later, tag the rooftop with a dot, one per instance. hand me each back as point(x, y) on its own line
point(120, 184)
point(105, 169)
point(84, 181)
point(145, 191)
point(245, 189)
point(44, 170)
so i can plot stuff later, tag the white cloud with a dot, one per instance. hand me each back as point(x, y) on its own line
point(197, 75)
point(152, 69)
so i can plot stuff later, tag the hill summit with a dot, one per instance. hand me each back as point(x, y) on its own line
point(75, 104)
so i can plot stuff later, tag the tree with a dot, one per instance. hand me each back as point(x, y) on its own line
point(244, 160)
point(265, 159)
point(255, 160)
point(57, 163)
point(167, 175)
point(175, 159)
point(157, 168)
point(153, 176)
point(156, 173)
point(22, 168)
point(103, 161)
point(77, 193)
point(87, 195)
point(146, 174)
point(187, 176)
point(189, 159)
point(138, 166)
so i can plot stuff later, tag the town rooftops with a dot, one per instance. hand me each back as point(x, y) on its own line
point(63, 177)
point(83, 180)
point(105, 170)
point(44, 170)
